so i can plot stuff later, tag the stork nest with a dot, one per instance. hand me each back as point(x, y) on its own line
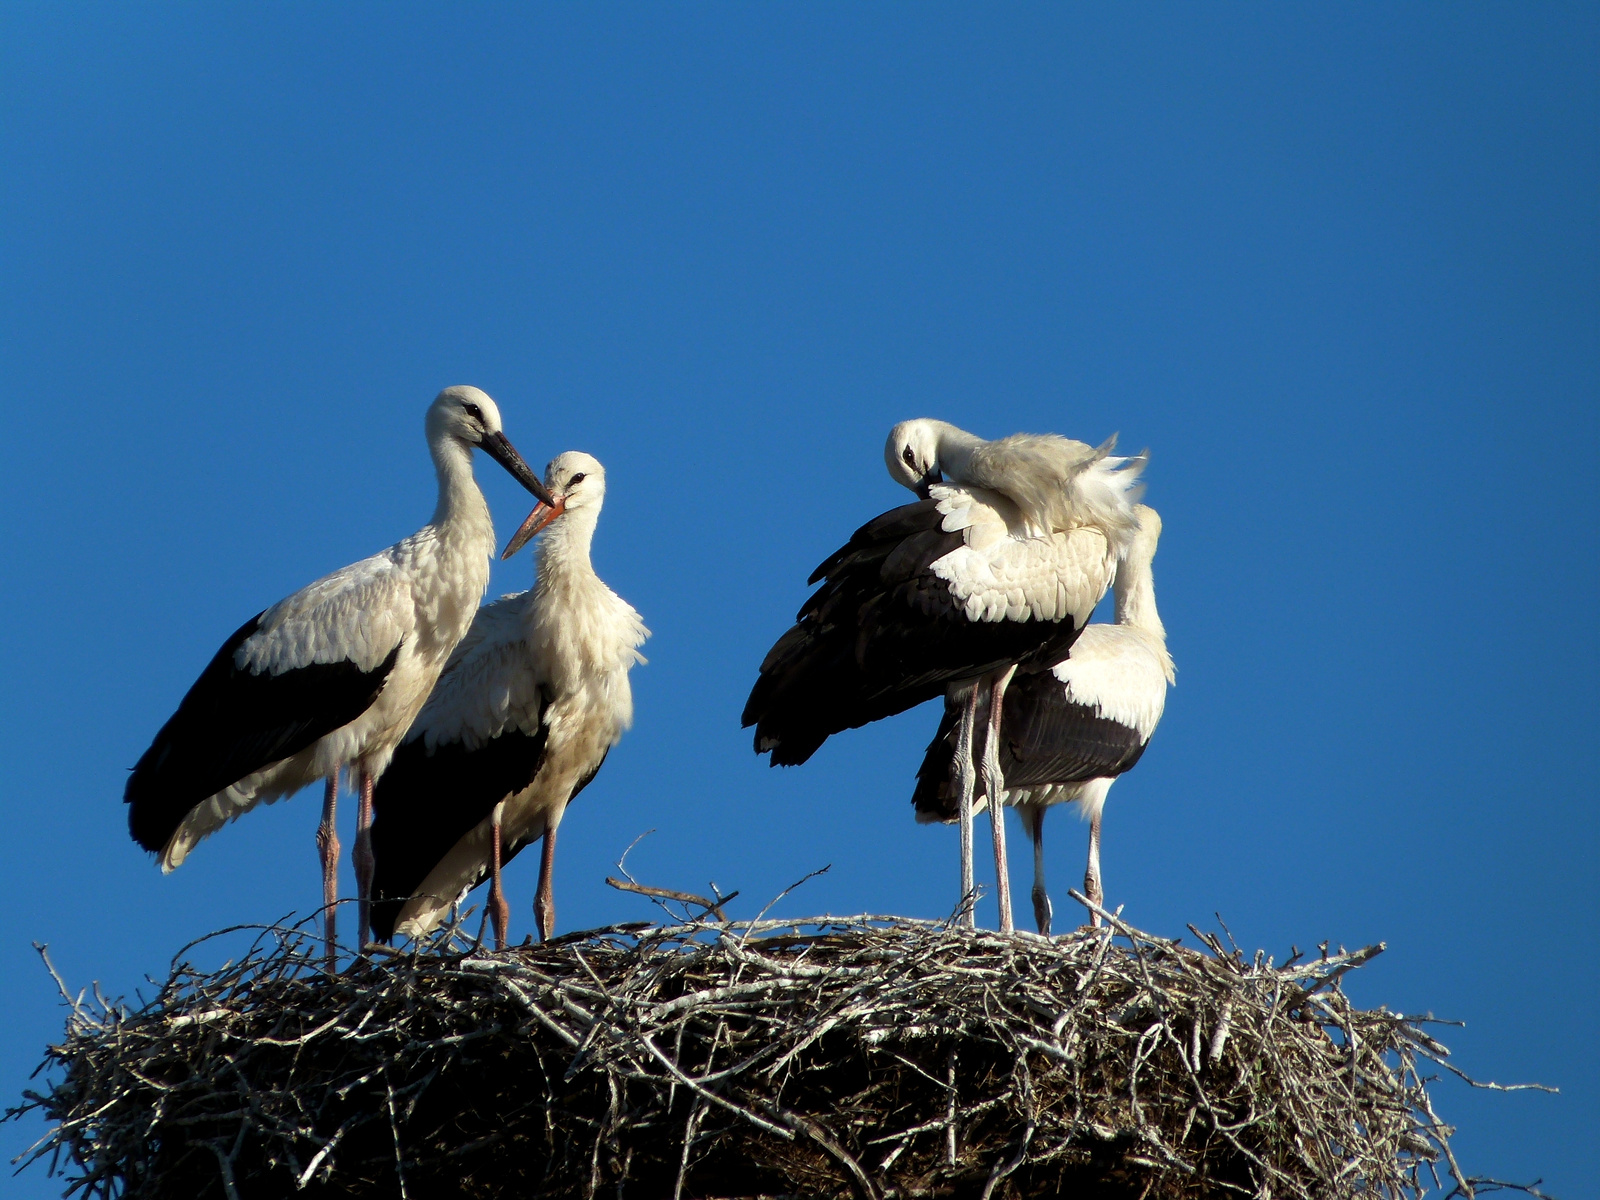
point(877, 1057)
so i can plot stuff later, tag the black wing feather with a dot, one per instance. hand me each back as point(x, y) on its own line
point(427, 802)
point(881, 635)
point(1045, 739)
point(232, 723)
point(516, 847)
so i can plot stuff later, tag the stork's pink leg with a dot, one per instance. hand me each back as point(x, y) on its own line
point(966, 785)
point(499, 910)
point(994, 787)
point(1091, 876)
point(362, 856)
point(328, 848)
point(544, 903)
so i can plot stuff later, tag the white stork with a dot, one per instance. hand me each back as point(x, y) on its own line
point(531, 702)
point(331, 677)
point(994, 572)
point(1069, 732)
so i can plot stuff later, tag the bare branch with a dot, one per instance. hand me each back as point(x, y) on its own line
point(866, 1055)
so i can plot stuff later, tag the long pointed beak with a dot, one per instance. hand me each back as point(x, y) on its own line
point(541, 516)
point(503, 452)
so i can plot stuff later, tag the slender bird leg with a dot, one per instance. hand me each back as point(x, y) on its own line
point(362, 857)
point(967, 782)
point(994, 786)
point(544, 901)
point(499, 910)
point(1091, 876)
point(1041, 898)
point(328, 848)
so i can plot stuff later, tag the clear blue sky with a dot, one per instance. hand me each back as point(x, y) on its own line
point(1340, 270)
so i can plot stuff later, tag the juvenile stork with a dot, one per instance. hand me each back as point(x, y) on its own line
point(1069, 732)
point(331, 677)
point(995, 571)
point(532, 700)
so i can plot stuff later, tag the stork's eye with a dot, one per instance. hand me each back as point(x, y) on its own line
point(575, 480)
point(475, 412)
point(911, 459)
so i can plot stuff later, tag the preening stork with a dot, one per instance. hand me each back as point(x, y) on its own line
point(331, 677)
point(995, 571)
point(531, 702)
point(1069, 732)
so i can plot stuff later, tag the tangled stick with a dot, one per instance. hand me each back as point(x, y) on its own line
point(863, 1056)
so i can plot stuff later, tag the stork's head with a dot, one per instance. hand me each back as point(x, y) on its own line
point(577, 483)
point(912, 454)
point(467, 415)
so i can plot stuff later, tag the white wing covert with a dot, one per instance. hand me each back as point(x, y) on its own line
point(487, 686)
point(1002, 572)
point(359, 613)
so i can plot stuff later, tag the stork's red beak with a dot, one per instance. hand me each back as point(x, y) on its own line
point(541, 516)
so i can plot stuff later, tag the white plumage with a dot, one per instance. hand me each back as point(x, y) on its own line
point(360, 615)
point(996, 570)
point(1000, 572)
point(532, 700)
point(331, 677)
point(1120, 671)
point(1056, 483)
point(1067, 735)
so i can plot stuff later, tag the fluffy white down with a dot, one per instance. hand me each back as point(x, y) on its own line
point(1004, 572)
point(1057, 484)
point(571, 639)
point(1061, 483)
point(1089, 797)
point(1121, 671)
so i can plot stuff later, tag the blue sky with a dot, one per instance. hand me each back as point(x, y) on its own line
point(1337, 269)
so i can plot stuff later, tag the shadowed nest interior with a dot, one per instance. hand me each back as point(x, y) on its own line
point(871, 1057)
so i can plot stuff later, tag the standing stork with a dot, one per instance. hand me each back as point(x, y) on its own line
point(994, 572)
point(1069, 732)
point(331, 677)
point(533, 699)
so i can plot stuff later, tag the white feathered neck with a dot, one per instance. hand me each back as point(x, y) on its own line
point(461, 504)
point(1135, 587)
point(578, 626)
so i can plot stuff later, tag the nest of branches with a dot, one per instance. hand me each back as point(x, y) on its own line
point(872, 1057)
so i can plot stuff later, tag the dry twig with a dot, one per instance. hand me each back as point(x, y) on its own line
point(823, 1057)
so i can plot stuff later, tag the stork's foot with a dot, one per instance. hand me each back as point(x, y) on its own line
point(544, 900)
point(1042, 912)
point(1093, 890)
point(544, 915)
